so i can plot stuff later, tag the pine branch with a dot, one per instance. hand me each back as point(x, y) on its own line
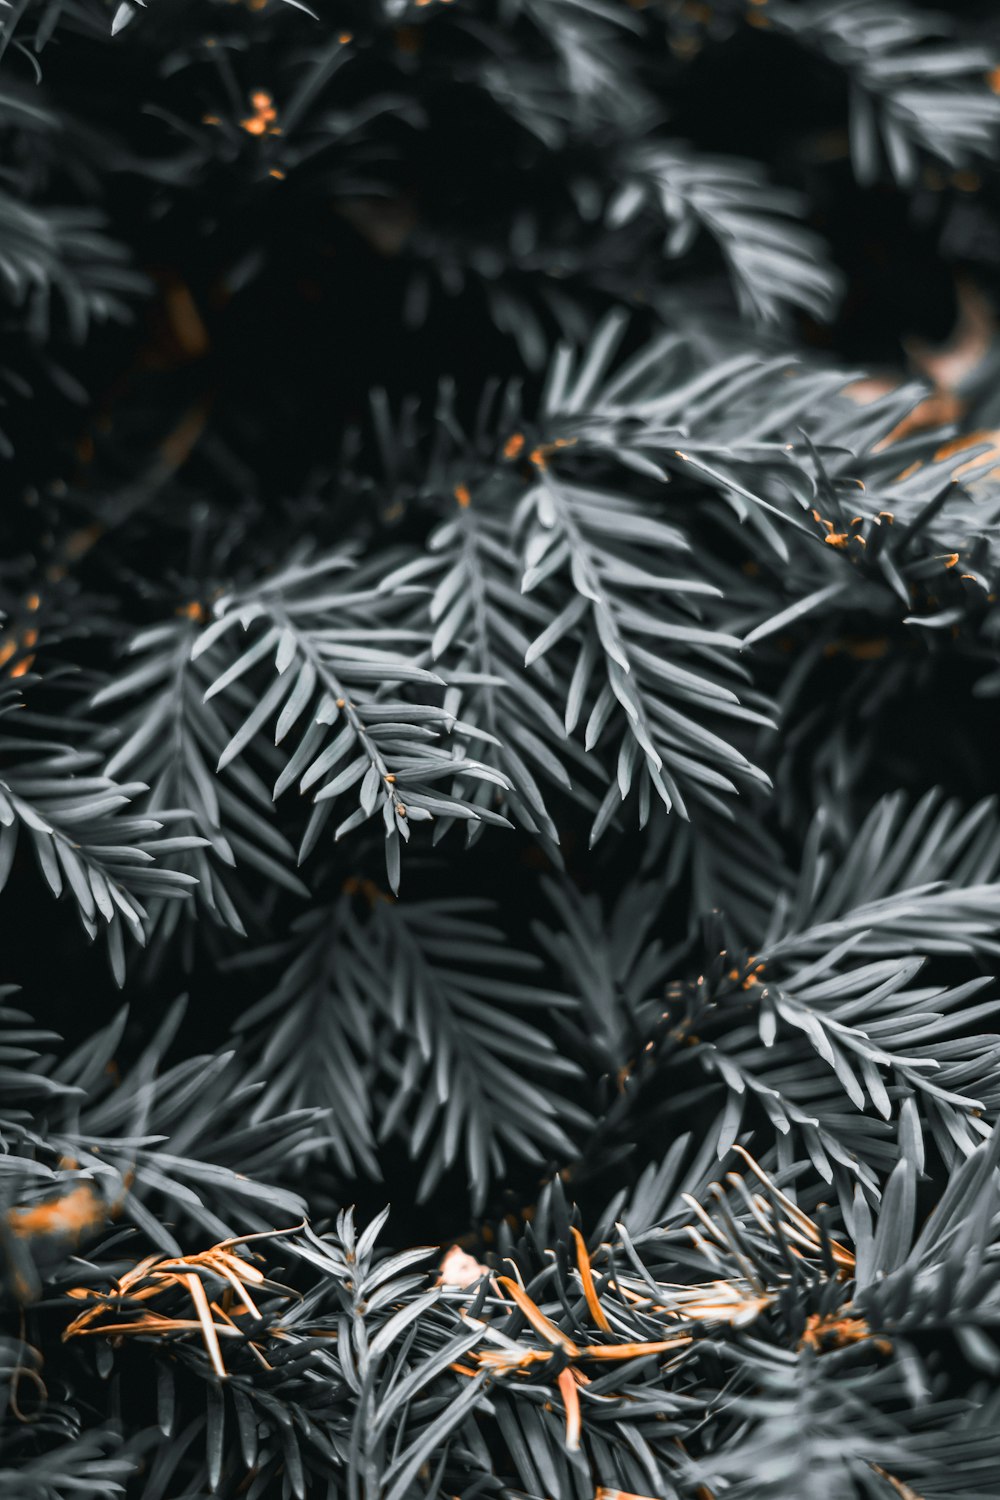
point(775, 264)
point(481, 627)
point(84, 1468)
point(62, 255)
point(107, 861)
point(88, 1152)
point(333, 664)
point(905, 879)
point(171, 739)
point(913, 88)
point(940, 1280)
point(372, 1014)
point(608, 617)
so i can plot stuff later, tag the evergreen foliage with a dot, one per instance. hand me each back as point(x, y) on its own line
point(499, 656)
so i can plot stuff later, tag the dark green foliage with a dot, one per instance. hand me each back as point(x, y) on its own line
point(499, 615)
